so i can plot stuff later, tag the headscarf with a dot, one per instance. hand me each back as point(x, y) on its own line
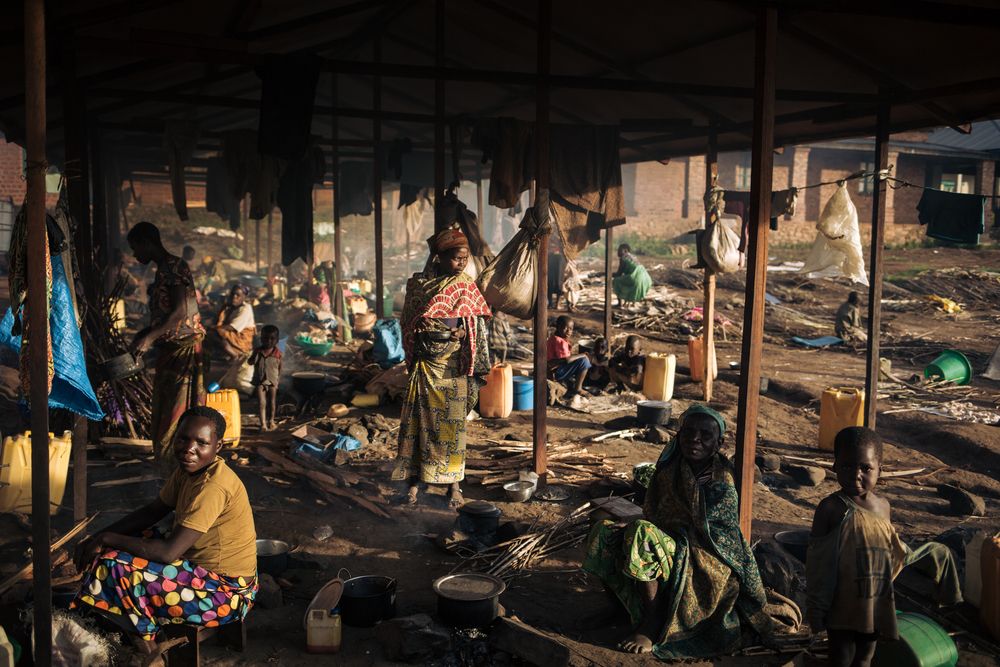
point(447, 240)
point(696, 409)
point(243, 288)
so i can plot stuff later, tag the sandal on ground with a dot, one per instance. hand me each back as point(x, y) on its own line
point(411, 497)
point(456, 500)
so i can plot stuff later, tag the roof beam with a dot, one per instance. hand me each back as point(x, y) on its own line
point(312, 20)
point(244, 14)
point(913, 10)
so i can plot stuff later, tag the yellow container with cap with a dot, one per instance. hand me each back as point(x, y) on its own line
point(838, 409)
point(322, 631)
point(227, 401)
point(16, 473)
point(658, 379)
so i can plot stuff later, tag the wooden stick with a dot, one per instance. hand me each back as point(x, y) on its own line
point(20, 574)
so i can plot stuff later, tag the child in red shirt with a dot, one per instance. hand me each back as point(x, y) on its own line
point(562, 363)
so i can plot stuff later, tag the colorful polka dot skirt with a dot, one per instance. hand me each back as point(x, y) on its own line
point(152, 594)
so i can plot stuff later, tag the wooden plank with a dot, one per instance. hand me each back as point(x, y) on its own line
point(762, 162)
point(609, 253)
point(377, 176)
point(875, 267)
point(708, 306)
point(543, 65)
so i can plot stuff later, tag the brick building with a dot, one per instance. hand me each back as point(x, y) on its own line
point(665, 201)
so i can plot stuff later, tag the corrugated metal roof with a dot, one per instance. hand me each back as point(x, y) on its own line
point(984, 137)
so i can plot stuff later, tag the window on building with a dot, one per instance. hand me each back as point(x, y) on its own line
point(743, 172)
point(866, 185)
point(962, 183)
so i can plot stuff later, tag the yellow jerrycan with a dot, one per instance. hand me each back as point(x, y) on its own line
point(15, 494)
point(839, 408)
point(658, 379)
point(496, 399)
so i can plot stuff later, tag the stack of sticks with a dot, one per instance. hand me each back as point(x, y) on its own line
point(568, 464)
point(334, 484)
point(512, 558)
point(130, 399)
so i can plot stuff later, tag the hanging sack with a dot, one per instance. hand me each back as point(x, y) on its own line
point(508, 283)
point(837, 248)
point(720, 248)
point(388, 343)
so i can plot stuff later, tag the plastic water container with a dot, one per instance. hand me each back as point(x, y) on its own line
point(323, 631)
point(16, 458)
point(524, 393)
point(496, 399)
point(658, 380)
point(838, 409)
point(6, 650)
point(227, 401)
point(973, 569)
point(922, 643)
point(695, 349)
point(989, 600)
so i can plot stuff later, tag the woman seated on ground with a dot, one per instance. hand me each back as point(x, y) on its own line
point(631, 282)
point(234, 331)
point(203, 572)
point(684, 576)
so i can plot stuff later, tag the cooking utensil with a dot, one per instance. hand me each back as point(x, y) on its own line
point(272, 557)
point(120, 367)
point(795, 542)
point(654, 412)
point(438, 335)
point(469, 599)
point(308, 384)
point(519, 492)
point(479, 518)
point(367, 600)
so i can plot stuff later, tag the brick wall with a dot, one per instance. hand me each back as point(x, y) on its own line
point(12, 186)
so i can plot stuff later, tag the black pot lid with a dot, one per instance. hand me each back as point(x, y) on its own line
point(469, 586)
point(480, 508)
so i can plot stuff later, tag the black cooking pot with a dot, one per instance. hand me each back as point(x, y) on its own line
point(468, 600)
point(119, 367)
point(479, 518)
point(654, 412)
point(368, 600)
point(308, 384)
point(272, 557)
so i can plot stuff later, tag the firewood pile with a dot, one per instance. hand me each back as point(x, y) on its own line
point(968, 288)
point(499, 463)
point(128, 402)
point(337, 485)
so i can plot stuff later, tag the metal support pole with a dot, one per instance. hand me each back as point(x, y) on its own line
point(377, 171)
point(270, 265)
point(542, 183)
point(256, 242)
point(875, 274)
point(36, 319)
point(762, 163)
point(336, 297)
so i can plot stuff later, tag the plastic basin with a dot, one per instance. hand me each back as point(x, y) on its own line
point(950, 366)
point(922, 643)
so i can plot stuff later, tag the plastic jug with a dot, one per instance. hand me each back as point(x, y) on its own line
point(227, 402)
point(989, 600)
point(839, 408)
point(16, 457)
point(496, 399)
point(6, 650)
point(973, 569)
point(323, 631)
point(695, 347)
point(658, 380)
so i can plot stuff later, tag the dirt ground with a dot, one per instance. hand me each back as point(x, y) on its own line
point(556, 593)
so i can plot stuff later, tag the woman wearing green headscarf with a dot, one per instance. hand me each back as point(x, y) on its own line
point(685, 575)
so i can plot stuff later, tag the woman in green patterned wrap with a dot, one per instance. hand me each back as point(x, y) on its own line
point(685, 576)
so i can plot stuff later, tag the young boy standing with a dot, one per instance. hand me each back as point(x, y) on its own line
point(563, 364)
point(266, 362)
point(854, 555)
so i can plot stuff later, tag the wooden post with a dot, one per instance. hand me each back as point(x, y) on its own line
point(875, 273)
point(100, 218)
point(256, 242)
point(337, 296)
point(377, 171)
point(37, 325)
point(762, 162)
point(609, 254)
point(708, 307)
point(439, 103)
point(270, 262)
point(542, 183)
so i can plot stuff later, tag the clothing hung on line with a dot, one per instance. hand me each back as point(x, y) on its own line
point(509, 144)
point(952, 216)
point(295, 199)
point(217, 197)
point(416, 169)
point(180, 138)
point(287, 94)
point(356, 188)
point(585, 179)
point(738, 204)
point(251, 172)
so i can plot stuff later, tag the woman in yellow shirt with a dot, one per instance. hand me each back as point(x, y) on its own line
point(204, 572)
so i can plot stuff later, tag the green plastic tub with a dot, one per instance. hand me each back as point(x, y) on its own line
point(951, 365)
point(922, 643)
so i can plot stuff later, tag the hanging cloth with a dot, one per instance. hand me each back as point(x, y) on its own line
point(249, 171)
point(217, 196)
point(295, 199)
point(287, 94)
point(952, 216)
point(509, 143)
point(180, 138)
point(356, 186)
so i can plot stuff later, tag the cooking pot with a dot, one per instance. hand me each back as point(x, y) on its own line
point(364, 322)
point(479, 518)
point(309, 384)
point(120, 367)
point(367, 600)
point(469, 599)
point(654, 412)
point(438, 335)
point(272, 557)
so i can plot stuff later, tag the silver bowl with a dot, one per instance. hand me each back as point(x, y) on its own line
point(519, 492)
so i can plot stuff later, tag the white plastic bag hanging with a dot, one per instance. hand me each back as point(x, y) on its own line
point(720, 248)
point(837, 248)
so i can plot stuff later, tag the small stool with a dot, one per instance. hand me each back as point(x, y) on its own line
point(232, 635)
